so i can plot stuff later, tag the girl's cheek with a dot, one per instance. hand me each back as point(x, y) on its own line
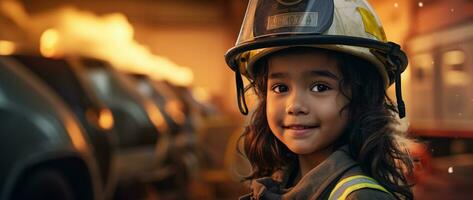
point(275, 106)
point(273, 113)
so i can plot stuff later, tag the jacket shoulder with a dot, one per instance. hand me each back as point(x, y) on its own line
point(369, 194)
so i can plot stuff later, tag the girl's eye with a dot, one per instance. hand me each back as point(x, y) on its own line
point(280, 88)
point(318, 87)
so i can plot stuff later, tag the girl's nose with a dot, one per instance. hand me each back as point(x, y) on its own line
point(296, 106)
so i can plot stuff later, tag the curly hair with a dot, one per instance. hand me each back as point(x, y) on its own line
point(371, 134)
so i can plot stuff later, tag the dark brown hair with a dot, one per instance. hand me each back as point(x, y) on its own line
point(371, 134)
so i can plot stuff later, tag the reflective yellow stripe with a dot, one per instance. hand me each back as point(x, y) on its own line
point(366, 182)
point(349, 179)
point(353, 188)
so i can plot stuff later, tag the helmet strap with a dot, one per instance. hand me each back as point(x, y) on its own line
point(401, 107)
point(240, 92)
point(394, 53)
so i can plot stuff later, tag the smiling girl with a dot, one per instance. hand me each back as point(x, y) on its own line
point(324, 127)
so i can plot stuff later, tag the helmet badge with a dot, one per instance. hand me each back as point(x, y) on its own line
point(371, 25)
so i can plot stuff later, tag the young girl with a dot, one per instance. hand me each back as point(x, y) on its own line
point(324, 127)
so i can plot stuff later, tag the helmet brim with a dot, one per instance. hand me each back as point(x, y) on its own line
point(331, 42)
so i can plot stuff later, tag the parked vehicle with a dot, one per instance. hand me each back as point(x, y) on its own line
point(44, 149)
point(180, 99)
point(165, 100)
point(183, 159)
point(445, 167)
point(95, 117)
point(442, 112)
point(143, 132)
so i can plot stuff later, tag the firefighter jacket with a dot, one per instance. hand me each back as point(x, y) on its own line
point(338, 177)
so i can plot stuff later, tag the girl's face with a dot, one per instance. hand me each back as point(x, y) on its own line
point(304, 101)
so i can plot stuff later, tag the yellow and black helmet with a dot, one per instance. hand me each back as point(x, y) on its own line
point(350, 27)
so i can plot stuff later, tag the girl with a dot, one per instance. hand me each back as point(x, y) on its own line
point(324, 127)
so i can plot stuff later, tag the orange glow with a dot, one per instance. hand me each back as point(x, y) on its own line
point(105, 119)
point(174, 108)
point(76, 134)
point(454, 57)
point(109, 37)
point(49, 43)
point(6, 47)
point(424, 61)
point(156, 117)
point(395, 21)
point(455, 77)
point(201, 94)
point(15, 11)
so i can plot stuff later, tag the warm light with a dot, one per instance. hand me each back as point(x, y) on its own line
point(200, 94)
point(105, 119)
point(76, 134)
point(421, 4)
point(452, 76)
point(396, 5)
point(406, 75)
point(450, 170)
point(454, 57)
point(457, 78)
point(156, 117)
point(109, 37)
point(16, 12)
point(49, 42)
point(174, 108)
point(6, 47)
point(423, 61)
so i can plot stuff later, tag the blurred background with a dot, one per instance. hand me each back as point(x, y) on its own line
point(132, 99)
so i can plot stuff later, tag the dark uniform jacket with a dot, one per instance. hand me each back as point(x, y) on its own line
point(316, 184)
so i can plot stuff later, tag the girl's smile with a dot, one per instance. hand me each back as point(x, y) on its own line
point(299, 131)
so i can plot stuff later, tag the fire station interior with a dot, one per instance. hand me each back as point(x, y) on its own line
point(132, 99)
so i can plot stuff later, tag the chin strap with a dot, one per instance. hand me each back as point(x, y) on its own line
point(240, 92)
point(393, 61)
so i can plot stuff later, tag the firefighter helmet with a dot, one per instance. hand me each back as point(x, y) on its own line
point(350, 27)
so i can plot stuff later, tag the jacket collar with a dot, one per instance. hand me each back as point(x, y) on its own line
point(311, 185)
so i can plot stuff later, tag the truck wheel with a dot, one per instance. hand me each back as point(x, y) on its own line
point(44, 184)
